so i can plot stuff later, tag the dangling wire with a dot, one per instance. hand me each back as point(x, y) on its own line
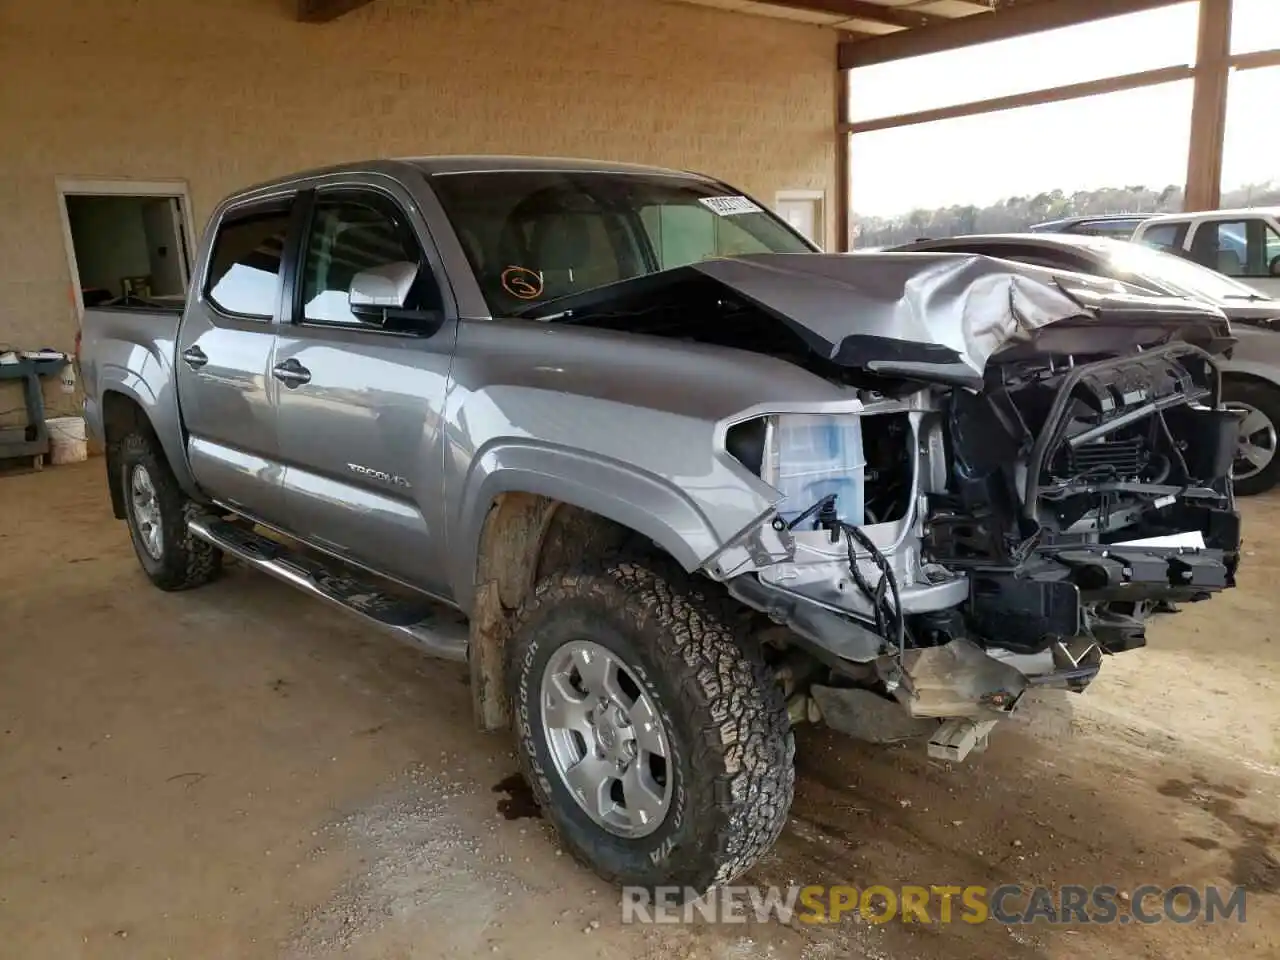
point(890, 622)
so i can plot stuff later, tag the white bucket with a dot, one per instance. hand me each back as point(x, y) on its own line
point(68, 442)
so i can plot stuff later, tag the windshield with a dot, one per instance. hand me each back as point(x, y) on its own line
point(1178, 276)
point(533, 236)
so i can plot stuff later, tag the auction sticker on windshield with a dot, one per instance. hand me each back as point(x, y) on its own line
point(729, 206)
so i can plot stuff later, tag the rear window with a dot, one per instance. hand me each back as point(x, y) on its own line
point(1119, 229)
point(534, 236)
point(244, 268)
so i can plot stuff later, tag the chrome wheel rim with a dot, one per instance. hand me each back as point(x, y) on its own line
point(146, 511)
point(606, 740)
point(1255, 444)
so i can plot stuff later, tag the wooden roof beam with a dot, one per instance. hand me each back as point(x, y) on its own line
point(999, 24)
point(323, 11)
point(863, 10)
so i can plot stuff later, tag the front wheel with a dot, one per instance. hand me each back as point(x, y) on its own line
point(1257, 466)
point(654, 741)
point(157, 511)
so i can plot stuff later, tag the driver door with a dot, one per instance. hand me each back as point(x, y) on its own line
point(361, 388)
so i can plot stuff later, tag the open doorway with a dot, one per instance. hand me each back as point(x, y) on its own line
point(127, 242)
point(805, 210)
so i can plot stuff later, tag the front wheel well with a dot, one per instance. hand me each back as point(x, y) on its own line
point(524, 538)
point(121, 416)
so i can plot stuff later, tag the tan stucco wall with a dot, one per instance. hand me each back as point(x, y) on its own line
point(221, 93)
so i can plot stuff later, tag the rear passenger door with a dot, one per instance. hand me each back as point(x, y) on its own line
point(1246, 248)
point(361, 389)
point(224, 356)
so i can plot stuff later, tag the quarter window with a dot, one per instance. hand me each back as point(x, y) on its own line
point(244, 270)
point(352, 234)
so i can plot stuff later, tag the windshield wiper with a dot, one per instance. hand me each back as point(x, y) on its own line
point(1244, 296)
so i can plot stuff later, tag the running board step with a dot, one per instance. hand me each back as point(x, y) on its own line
point(439, 631)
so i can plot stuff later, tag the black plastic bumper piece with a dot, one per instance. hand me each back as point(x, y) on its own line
point(1053, 593)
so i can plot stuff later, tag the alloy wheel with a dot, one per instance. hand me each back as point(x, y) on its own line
point(1256, 443)
point(146, 511)
point(606, 739)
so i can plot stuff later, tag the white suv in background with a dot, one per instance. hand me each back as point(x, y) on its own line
point(1239, 243)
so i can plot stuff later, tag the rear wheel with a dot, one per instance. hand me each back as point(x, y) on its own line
point(655, 742)
point(157, 510)
point(1257, 466)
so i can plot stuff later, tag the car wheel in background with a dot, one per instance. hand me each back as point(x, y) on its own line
point(1257, 464)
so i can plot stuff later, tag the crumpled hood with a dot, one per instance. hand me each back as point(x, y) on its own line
point(938, 316)
point(939, 308)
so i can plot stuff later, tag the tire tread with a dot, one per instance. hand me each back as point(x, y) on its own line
point(744, 744)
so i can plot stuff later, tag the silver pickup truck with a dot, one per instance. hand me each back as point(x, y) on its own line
point(666, 477)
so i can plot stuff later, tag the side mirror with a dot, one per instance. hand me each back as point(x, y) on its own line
point(1275, 266)
point(376, 291)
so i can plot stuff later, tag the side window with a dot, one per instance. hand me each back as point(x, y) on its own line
point(1271, 256)
point(685, 233)
point(1223, 245)
point(244, 268)
point(1165, 236)
point(356, 233)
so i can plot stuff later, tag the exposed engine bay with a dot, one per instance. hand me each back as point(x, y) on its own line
point(1032, 469)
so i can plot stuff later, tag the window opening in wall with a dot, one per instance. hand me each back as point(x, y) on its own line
point(127, 247)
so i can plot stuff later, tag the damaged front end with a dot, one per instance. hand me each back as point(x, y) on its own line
point(1009, 537)
point(1028, 468)
point(993, 538)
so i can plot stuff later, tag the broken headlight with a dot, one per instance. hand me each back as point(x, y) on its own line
point(811, 456)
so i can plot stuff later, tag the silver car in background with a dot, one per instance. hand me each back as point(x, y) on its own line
point(1251, 368)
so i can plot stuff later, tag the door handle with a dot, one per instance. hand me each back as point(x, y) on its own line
point(291, 373)
point(195, 357)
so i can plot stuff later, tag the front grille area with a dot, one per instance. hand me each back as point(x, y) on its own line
point(1118, 458)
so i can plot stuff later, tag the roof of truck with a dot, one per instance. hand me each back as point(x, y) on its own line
point(1231, 213)
point(443, 165)
point(488, 164)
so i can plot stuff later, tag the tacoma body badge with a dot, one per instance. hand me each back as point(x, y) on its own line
point(379, 475)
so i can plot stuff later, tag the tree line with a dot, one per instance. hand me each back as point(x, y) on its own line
point(1015, 214)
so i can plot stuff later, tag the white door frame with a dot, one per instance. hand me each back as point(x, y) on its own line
point(121, 187)
point(818, 196)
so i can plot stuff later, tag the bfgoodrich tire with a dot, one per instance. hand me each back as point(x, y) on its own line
point(156, 510)
point(703, 786)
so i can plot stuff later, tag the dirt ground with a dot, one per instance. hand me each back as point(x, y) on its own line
point(241, 772)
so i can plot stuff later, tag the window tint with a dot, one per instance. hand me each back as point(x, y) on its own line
point(350, 234)
point(244, 270)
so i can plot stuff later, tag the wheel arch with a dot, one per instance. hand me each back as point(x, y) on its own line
point(124, 410)
point(122, 414)
point(523, 537)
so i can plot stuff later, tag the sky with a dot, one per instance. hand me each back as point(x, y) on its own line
point(1134, 137)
